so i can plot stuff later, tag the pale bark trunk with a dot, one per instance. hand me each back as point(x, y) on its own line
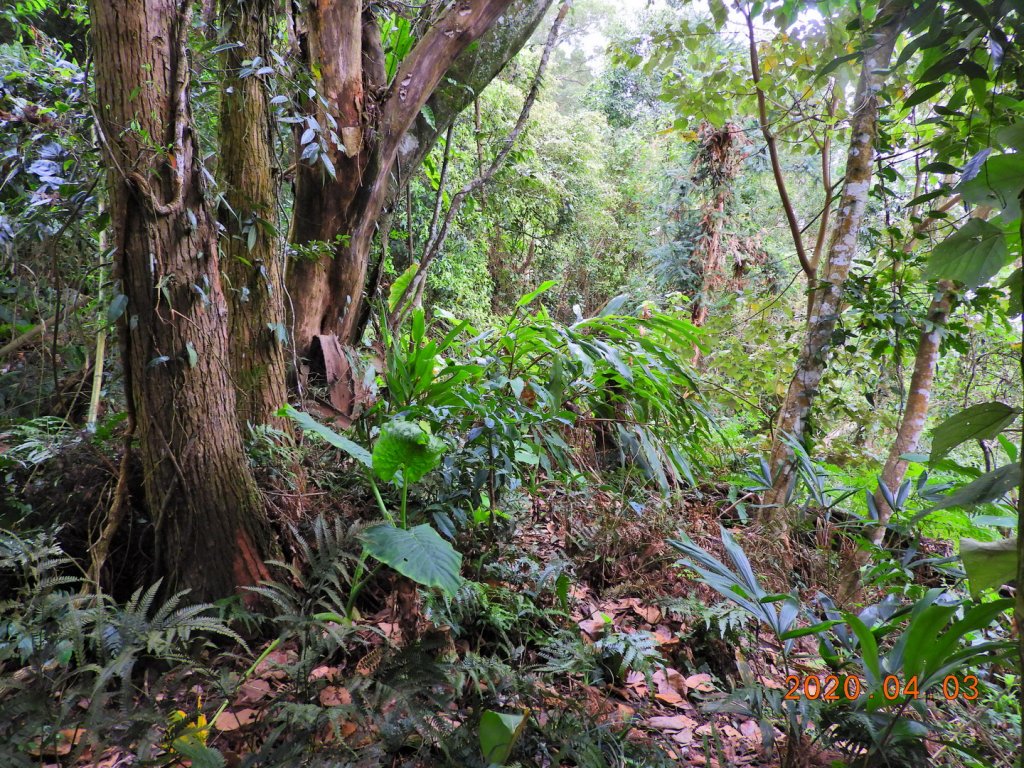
point(908, 436)
point(829, 289)
point(201, 496)
point(915, 412)
point(254, 276)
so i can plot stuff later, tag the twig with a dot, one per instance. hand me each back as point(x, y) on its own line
point(773, 153)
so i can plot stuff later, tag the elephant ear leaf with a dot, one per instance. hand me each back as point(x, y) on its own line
point(418, 553)
point(406, 446)
point(499, 733)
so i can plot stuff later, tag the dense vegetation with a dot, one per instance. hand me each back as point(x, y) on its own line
point(511, 382)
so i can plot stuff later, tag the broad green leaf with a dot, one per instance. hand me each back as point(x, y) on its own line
point(972, 255)
point(923, 93)
point(418, 553)
point(499, 733)
point(989, 564)
point(309, 424)
point(836, 63)
point(979, 422)
point(407, 447)
point(1012, 136)
point(399, 286)
point(997, 185)
point(814, 629)
point(1015, 282)
point(868, 648)
point(989, 487)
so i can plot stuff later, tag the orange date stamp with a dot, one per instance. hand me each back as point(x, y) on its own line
point(894, 688)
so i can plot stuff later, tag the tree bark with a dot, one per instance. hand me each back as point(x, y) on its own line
point(915, 412)
point(200, 493)
point(251, 262)
point(908, 436)
point(374, 119)
point(829, 289)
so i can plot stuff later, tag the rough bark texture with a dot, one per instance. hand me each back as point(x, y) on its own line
point(325, 207)
point(915, 413)
point(829, 289)
point(328, 291)
point(201, 495)
point(253, 276)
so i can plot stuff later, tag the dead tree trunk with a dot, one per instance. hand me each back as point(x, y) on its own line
point(829, 289)
point(204, 504)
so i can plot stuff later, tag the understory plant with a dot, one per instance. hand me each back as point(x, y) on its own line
point(889, 662)
point(467, 416)
point(63, 642)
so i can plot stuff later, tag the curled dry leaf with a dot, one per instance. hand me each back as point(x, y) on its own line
point(701, 682)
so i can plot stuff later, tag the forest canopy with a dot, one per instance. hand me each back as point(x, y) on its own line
point(511, 382)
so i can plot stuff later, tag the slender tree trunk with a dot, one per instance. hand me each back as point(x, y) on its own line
point(915, 412)
point(908, 436)
point(1019, 607)
point(200, 493)
point(829, 289)
point(251, 261)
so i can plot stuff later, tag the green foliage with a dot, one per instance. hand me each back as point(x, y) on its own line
point(989, 564)
point(979, 422)
point(408, 448)
point(498, 735)
point(61, 640)
point(418, 553)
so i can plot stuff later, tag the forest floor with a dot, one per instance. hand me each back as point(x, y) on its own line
point(632, 657)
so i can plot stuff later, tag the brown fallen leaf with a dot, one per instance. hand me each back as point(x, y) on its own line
point(751, 731)
point(649, 613)
point(270, 667)
point(670, 697)
point(683, 737)
point(335, 696)
point(252, 691)
point(669, 679)
point(65, 741)
point(340, 731)
point(701, 682)
point(232, 720)
point(673, 723)
point(324, 672)
point(594, 627)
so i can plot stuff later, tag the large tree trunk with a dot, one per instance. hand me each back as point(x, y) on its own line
point(828, 292)
point(200, 492)
point(251, 262)
point(342, 45)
